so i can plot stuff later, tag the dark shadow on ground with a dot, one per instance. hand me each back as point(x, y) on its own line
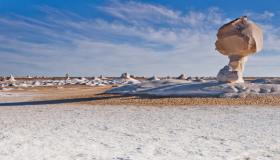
point(59, 101)
point(101, 96)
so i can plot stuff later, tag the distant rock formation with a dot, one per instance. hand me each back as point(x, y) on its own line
point(11, 78)
point(29, 77)
point(189, 78)
point(96, 79)
point(237, 39)
point(67, 77)
point(36, 83)
point(125, 78)
point(102, 77)
point(182, 77)
point(154, 78)
point(125, 75)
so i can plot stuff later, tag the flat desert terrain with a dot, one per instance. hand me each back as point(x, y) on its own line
point(125, 132)
point(79, 122)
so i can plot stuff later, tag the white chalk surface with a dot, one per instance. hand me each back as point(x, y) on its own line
point(56, 132)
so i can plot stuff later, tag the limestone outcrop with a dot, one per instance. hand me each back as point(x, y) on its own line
point(182, 77)
point(237, 39)
point(125, 75)
point(11, 78)
point(154, 78)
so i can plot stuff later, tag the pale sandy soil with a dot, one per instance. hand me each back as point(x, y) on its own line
point(94, 96)
point(81, 123)
point(86, 132)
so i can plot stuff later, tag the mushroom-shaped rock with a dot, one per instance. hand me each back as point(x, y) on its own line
point(237, 39)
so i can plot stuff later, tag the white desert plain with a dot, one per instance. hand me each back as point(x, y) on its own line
point(228, 117)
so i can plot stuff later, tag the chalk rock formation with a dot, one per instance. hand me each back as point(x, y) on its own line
point(125, 75)
point(102, 77)
point(96, 79)
point(237, 39)
point(67, 77)
point(154, 78)
point(28, 76)
point(11, 78)
point(182, 77)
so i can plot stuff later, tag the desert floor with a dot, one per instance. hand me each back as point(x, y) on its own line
point(86, 132)
point(82, 123)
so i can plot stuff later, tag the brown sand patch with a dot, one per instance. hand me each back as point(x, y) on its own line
point(176, 101)
point(67, 92)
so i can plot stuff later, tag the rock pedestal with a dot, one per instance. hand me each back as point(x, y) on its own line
point(233, 72)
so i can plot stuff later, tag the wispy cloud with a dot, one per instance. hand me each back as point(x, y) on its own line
point(142, 39)
point(272, 38)
point(142, 14)
point(135, 12)
point(266, 15)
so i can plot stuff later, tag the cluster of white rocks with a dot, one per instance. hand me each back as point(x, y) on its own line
point(11, 81)
point(200, 87)
point(163, 86)
point(125, 79)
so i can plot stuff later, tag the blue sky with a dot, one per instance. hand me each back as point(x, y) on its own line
point(162, 37)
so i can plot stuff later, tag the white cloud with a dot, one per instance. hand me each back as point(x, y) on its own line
point(271, 38)
point(135, 12)
point(138, 13)
point(266, 15)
